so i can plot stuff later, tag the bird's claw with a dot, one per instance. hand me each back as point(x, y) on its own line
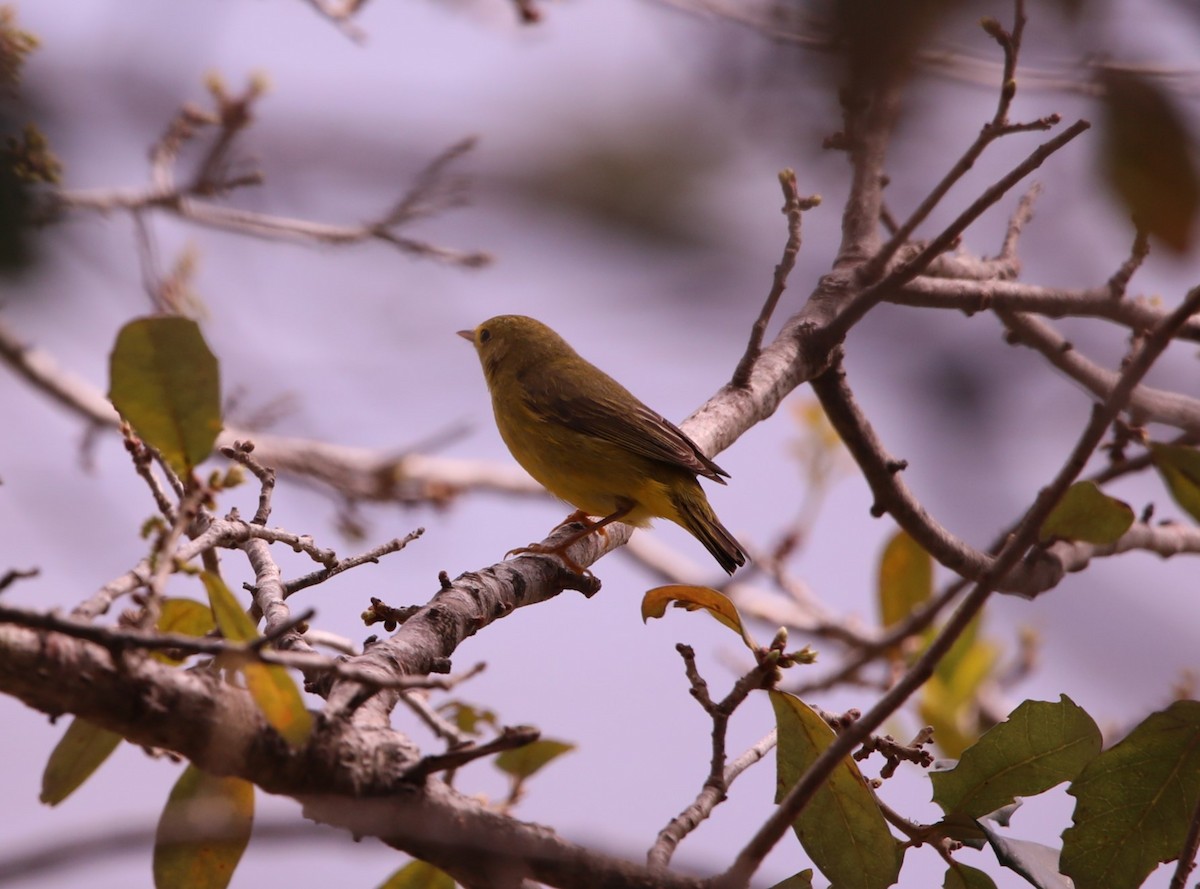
point(541, 550)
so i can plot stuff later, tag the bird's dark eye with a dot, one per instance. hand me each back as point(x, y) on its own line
point(485, 335)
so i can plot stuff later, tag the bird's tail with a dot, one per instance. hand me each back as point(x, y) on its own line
point(701, 522)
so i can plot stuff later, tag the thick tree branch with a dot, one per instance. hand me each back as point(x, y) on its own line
point(347, 777)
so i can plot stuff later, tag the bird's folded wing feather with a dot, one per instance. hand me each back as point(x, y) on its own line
point(640, 430)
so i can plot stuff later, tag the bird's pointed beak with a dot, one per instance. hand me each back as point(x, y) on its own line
point(467, 335)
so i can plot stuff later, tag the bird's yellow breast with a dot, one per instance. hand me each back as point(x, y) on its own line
point(593, 475)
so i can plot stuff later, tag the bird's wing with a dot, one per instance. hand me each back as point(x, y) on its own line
point(640, 430)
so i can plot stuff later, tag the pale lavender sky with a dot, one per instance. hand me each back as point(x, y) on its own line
point(362, 338)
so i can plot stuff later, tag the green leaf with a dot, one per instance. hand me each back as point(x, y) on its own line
point(164, 380)
point(82, 749)
point(905, 578)
point(1148, 156)
point(186, 617)
point(1086, 513)
point(841, 828)
point(1179, 467)
point(802, 880)
point(694, 598)
point(962, 828)
point(272, 688)
point(1134, 801)
point(279, 698)
point(1041, 744)
point(960, 670)
point(467, 717)
point(1037, 863)
point(960, 876)
point(418, 875)
point(203, 831)
point(966, 667)
point(525, 761)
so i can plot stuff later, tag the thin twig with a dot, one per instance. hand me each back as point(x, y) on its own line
point(438, 724)
point(162, 562)
point(793, 207)
point(227, 533)
point(998, 126)
point(509, 738)
point(142, 461)
point(268, 600)
point(241, 453)
point(275, 633)
point(371, 556)
point(232, 116)
point(12, 575)
point(917, 621)
point(716, 784)
point(1187, 855)
point(972, 296)
point(431, 192)
point(1118, 283)
point(712, 795)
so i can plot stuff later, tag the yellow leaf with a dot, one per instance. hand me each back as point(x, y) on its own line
point(1148, 156)
point(277, 695)
point(939, 709)
point(467, 717)
point(203, 831)
point(418, 875)
point(905, 580)
point(272, 688)
point(693, 598)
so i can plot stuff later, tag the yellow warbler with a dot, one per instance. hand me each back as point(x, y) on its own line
point(587, 440)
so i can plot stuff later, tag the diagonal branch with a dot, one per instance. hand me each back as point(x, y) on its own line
point(748, 860)
point(1146, 404)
